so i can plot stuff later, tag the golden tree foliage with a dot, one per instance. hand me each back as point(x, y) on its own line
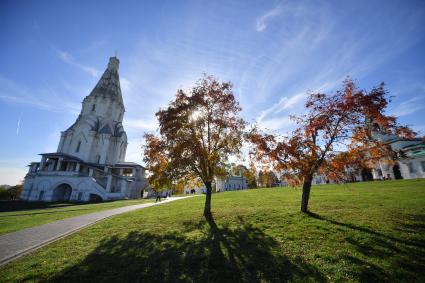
point(197, 132)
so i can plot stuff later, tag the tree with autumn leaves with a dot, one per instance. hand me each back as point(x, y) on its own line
point(333, 123)
point(198, 131)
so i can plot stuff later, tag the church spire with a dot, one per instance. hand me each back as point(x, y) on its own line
point(109, 83)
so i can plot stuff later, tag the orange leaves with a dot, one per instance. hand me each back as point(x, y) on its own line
point(339, 120)
point(156, 159)
point(199, 129)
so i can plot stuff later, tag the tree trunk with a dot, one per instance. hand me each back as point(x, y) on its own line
point(306, 194)
point(207, 208)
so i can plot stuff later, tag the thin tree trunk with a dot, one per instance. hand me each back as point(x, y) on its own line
point(306, 194)
point(207, 208)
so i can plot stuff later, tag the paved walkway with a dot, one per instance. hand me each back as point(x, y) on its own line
point(16, 244)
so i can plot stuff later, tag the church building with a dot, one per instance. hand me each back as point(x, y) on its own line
point(89, 162)
point(410, 157)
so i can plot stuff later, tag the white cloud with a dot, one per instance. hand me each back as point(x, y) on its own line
point(18, 127)
point(93, 46)
point(14, 93)
point(277, 123)
point(69, 59)
point(285, 103)
point(262, 21)
point(409, 106)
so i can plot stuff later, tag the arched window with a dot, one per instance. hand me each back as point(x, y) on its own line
point(93, 108)
point(78, 147)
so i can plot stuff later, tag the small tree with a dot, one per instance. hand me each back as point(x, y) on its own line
point(15, 191)
point(198, 131)
point(154, 155)
point(4, 194)
point(250, 176)
point(340, 120)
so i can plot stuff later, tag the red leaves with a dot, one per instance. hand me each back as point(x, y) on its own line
point(342, 119)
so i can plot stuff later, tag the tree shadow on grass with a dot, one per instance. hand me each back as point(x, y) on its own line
point(19, 205)
point(220, 254)
point(16, 205)
point(404, 255)
point(46, 212)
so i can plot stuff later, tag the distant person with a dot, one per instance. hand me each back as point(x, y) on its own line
point(158, 196)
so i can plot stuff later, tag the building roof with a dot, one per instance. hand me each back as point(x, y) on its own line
point(412, 146)
point(68, 157)
point(60, 154)
point(109, 83)
point(128, 164)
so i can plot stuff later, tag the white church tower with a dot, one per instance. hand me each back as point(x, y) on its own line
point(89, 163)
point(97, 136)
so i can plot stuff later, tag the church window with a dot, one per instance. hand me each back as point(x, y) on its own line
point(78, 147)
point(97, 158)
point(93, 108)
point(80, 196)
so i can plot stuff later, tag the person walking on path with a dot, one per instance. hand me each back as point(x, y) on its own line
point(158, 196)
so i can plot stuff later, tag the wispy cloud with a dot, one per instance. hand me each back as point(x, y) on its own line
point(294, 69)
point(18, 127)
point(285, 103)
point(14, 93)
point(267, 16)
point(69, 59)
point(94, 46)
point(409, 106)
point(280, 123)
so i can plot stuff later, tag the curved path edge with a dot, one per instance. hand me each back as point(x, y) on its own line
point(19, 243)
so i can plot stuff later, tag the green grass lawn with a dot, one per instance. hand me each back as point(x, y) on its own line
point(368, 232)
point(16, 216)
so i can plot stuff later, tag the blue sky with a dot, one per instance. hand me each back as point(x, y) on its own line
point(53, 52)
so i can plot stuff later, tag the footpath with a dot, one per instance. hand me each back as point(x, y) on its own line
point(17, 244)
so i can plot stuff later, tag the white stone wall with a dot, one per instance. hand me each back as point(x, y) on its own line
point(416, 164)
point(86, 185)
point(48, 183)
point(94, 147)
point(231, 183)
